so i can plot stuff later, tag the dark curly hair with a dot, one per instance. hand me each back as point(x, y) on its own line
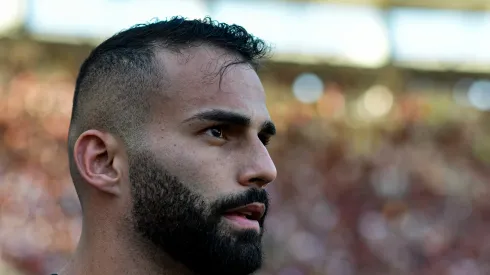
point(116, 81)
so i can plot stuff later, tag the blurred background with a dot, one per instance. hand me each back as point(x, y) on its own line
point(383, 150)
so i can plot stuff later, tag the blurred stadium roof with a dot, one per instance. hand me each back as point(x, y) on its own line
point(436, 4)
point(421, 34)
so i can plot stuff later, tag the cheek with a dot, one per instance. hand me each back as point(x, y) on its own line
point(206, 176)
point(207, 172)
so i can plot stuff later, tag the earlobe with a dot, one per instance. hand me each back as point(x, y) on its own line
point(94, 154)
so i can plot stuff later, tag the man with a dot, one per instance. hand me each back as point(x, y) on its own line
point(167, 151)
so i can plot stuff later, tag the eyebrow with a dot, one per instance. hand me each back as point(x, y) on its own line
point(232, 118)
point(268, 128)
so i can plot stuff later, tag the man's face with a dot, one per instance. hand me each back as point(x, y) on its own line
point(196, 184)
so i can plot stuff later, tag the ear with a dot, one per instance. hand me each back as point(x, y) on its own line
point(100, 161)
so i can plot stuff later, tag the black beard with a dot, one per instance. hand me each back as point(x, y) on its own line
point(183, 225)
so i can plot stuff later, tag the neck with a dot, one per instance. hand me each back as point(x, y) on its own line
point(102, 251)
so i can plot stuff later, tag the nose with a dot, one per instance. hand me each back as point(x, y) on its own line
point(257, 168)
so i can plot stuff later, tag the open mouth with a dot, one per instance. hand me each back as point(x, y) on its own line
point(247, 216)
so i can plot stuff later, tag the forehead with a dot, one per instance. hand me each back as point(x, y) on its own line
point(197, 81)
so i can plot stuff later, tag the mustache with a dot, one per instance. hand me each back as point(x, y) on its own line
point(233, 201)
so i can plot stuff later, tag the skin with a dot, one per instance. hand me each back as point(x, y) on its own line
point(212, 162)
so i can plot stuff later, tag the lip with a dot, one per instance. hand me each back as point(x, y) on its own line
point(256, 210)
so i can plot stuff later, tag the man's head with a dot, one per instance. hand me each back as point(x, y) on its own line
point(167, 141)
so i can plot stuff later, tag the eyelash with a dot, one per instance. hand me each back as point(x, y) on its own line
point(223, 128)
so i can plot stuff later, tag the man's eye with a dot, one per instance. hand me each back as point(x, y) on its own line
point(216, 132)
point(265, 140)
